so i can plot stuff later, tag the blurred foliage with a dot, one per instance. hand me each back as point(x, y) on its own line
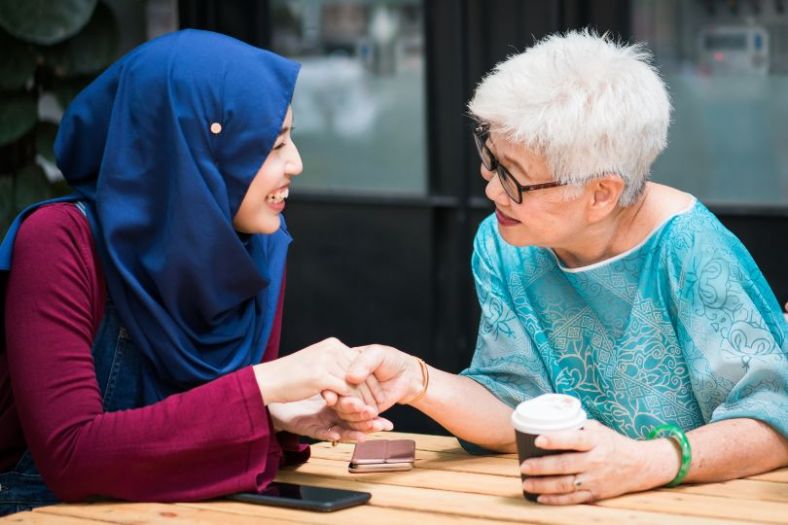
point(46, 47)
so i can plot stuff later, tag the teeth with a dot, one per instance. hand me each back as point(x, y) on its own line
point(278, 196)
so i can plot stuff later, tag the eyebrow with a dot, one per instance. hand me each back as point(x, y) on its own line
point(284, 130)
point(512, 160)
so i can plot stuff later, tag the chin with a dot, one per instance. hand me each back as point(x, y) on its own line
point(264, 226)
point(271, 224)
point(514, 238)
point(268, 228)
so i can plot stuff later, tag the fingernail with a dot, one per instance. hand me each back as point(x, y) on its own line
point(525, 468)
point(541, 441)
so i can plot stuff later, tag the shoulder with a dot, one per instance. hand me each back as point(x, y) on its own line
point(52, 222)
point(708, 262)
point(55, 274)
point(56, 233)
point(698, 231)
point(52, 218)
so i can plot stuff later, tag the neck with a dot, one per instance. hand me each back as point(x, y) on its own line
point(611, 236)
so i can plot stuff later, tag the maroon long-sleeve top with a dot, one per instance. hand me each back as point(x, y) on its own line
point(209, 441)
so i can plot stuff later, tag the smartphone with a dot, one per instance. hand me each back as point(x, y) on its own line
point(379, 467)
point(304, 497)
point(383, 455)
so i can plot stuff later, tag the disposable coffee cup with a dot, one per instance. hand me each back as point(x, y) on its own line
point(546, 413)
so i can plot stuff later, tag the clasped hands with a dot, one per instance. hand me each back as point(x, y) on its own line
point(332, 392)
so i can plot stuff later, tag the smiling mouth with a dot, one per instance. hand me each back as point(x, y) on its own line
point(504, 219)
point(278, 196)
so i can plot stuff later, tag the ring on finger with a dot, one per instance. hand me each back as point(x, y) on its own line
point(577, 482)
point(333, 442)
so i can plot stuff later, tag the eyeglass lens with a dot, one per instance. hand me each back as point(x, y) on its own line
point(491, 163)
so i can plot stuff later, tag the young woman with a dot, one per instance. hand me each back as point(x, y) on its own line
point(142, 314)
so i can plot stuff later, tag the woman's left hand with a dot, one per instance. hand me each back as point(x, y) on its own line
point(605, 464)
point(312, 417)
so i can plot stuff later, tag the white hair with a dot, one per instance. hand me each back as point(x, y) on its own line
point(591, 106)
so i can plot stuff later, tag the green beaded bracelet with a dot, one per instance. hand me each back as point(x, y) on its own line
point(675, 433)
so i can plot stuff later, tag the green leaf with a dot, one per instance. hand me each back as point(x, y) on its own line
point(90, 50)
point(18, 115)
point(45, 22)
point(17, 63)
point(45, 140)
point(30, 185)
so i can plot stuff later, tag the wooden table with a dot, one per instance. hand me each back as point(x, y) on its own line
point(448, 486)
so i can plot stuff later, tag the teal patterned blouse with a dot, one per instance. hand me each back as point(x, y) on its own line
point(681, 329)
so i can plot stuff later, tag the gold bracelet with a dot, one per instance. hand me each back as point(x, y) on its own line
point(425, 376)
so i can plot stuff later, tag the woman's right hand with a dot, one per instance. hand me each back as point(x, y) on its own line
point(303, 374)
point(396, 376)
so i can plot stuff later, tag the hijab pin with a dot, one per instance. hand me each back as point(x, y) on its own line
point(216, 128)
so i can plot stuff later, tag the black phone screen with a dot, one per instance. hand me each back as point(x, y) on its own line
point(304, 497)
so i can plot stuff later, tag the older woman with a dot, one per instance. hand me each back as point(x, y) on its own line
point(596, 283)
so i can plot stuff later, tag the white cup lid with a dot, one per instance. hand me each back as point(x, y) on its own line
point(548, 413)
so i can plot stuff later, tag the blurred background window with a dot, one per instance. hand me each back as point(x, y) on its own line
point(359, 100)
point(726, 65)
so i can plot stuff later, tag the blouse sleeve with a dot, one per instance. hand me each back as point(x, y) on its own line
point(506, 361)
point(209, 441)
point(730, 327)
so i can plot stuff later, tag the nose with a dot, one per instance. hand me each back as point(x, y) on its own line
point(486, 174)
point(294, 165)
point(493, 189)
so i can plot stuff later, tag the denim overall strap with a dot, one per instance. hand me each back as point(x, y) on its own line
point(119, 370)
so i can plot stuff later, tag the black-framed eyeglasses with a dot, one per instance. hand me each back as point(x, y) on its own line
point(510, 185)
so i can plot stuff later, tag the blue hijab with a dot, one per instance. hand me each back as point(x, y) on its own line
point(197, 298)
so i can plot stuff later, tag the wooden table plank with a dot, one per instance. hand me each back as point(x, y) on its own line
point(676, 502)
point(500, 465)
point(742, 489)
point(34, 518)
point(151, 513)
point(365, 514)
point(436, 448)
point(443, 453)
point(418, 477)
point(510, 508)
point(668, 501)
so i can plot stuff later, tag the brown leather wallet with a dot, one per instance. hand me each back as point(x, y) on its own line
point(382, 455)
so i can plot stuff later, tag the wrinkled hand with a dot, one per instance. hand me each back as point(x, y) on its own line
point(359, 409)
point(313, 418)
point(391, 376)
point(606, 464)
